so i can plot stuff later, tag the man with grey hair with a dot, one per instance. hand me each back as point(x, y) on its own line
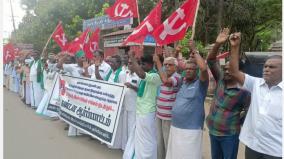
point(171, 81)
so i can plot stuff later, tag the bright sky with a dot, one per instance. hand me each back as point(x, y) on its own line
point(7, 16)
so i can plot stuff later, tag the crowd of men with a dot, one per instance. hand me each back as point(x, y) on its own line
point(163, 110)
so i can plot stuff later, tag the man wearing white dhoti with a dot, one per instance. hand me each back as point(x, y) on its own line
point(49, 80)
point(36, 79)
point(117, 76)
point(27, 83)
point(129, 118)
point(185, 138)
point(75, 70)
point(145, 132)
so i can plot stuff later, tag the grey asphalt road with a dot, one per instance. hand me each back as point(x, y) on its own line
point(30, 136)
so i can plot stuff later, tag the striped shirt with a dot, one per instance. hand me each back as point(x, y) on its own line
point(167, 97)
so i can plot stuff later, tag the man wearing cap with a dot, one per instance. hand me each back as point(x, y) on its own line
point(36, 79)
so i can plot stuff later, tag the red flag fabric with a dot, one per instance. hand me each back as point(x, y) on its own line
point(17, 52)
point(78, 43)
point(60, 38)
point(175, 26)
point(92, 44)
point(8, 53)
point(122, 9)
point(223, 55)
point(153, 20)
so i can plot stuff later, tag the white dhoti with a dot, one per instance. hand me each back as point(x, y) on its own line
point(129, 119)
point(129, 152)
point(36, 94)
point(117, 144)
point(28, 93)
point(42, 103)
point(184, 144)
point(11, 83)
point(16, 85)
point(42, 107)
point(146, 137)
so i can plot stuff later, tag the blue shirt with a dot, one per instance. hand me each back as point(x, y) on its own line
point(188, 111)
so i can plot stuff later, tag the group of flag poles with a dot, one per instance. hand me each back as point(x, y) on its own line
point(171, 30)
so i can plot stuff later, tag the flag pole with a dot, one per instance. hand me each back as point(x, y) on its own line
point(138, 12)
point(193, 26)
point(43, 50)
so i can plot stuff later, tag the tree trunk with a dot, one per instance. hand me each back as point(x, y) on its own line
point(220, 14)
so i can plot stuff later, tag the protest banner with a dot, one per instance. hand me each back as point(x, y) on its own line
point(91, 106)
point(54, 100)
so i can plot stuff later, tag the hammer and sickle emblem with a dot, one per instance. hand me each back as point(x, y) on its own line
point(93, 46)
point(148, 26)
point(7, 54)
point(63, 40)
point(124, 7)
point(168, 27)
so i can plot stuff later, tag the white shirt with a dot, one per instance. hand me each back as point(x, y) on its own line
point(33, 71)
point(130, 94)
point(121, 77)
point(262, 129)
point(73, 69)
point(104, 69)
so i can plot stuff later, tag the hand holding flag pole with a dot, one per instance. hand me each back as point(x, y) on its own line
point(194, 22)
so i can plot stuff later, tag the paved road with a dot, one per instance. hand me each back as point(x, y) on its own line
point(29, 136)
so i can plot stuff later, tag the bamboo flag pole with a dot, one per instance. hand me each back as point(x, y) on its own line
point(43, 51)
point(138, 12)
point(193, 26)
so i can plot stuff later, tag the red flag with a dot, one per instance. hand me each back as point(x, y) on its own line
point(17, 51)
point(122, 9)
point(175, 27)
point(8, 53)
point(60, 38)
point(78, 43)
point(223, 55)
point(147, 26)
point(92, 44)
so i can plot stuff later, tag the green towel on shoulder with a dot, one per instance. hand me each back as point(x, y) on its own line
point(142, 84)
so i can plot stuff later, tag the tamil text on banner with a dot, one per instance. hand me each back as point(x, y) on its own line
point(91, 106)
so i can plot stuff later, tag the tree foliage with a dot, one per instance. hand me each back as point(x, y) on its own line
point(258, 20)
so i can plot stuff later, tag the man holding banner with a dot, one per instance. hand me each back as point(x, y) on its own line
point(75, 70)
point(117, 76)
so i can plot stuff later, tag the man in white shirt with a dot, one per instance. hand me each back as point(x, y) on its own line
point(117, 76)
point(103, 68)
point(75, 70)
point(262, 129)
point(36, 79)
point(129, 117)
